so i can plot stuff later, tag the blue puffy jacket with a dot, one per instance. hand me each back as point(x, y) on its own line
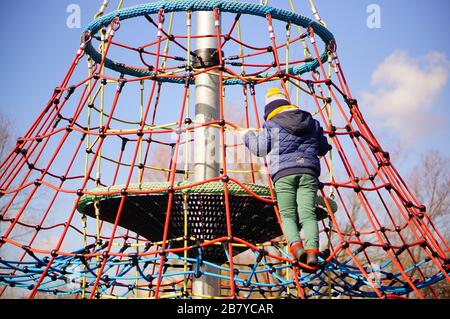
point(293, 142)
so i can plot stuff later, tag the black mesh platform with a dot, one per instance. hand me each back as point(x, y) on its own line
point(251, 219)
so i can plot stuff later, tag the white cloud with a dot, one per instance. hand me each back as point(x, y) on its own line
point(404, 91)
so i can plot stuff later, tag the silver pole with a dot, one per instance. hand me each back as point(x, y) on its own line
point(207, 139)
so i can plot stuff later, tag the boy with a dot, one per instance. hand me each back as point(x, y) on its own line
point(293, 142)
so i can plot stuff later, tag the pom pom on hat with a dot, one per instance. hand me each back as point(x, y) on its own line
point(274, 99)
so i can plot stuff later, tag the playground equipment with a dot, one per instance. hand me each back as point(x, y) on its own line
point(120, 190)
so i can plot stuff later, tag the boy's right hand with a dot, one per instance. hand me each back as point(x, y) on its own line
point(246, 130)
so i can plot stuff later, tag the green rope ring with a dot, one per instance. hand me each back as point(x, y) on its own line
point(216, 188)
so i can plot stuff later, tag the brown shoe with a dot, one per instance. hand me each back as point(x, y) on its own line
point(298, 252)
point(312, 258)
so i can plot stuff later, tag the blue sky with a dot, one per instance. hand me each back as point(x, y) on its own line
point(37, 48)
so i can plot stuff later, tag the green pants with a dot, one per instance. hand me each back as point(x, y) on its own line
point(296, 196)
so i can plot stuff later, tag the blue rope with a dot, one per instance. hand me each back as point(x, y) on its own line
point(346, 279)
point(204, 5)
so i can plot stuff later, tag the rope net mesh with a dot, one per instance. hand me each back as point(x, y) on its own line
point(99, 198)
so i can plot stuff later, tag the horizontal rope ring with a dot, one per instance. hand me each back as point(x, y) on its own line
point(203, 5)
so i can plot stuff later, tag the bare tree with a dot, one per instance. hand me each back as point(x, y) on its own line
point(430, 182)
point(6, 142)
point(5, 135)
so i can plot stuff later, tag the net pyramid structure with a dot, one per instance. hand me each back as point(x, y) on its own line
point(99, 198)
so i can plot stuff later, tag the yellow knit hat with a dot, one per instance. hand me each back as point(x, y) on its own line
point(273, 91)
point(275, 98)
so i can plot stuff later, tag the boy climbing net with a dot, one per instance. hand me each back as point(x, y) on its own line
point(293, 142)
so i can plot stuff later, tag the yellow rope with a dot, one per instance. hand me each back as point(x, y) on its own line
point(306, 51)
point(329, 114)
point(288, 289)
point(241, 48)
point(83, 277)
point(302, 89)
point(104, 39)
point(186, 158)
point(86, 165)
point(102, 101)
point(102, 9)
point(243, 171)
point(120, 5)
point(288, 46)
point(316, 14)
point(207, 242)
point(102, 98)
point(137, 272)
point(149, 167)
point(167, 126)
point(331, 174)
point(104, 6)
point(141, 118)
point(166, 48)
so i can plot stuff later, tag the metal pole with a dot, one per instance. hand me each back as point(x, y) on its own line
point(207, 139)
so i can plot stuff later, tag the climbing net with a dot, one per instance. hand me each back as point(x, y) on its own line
point(98, 198)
